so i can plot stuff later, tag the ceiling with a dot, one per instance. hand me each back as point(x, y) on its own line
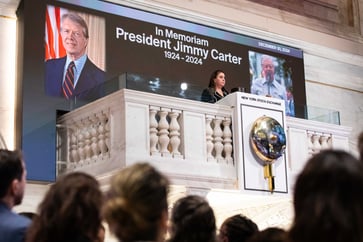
point(8, 7)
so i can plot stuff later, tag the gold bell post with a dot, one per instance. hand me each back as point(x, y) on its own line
point(267, 172)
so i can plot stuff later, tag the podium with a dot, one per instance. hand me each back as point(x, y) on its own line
point(247, 108)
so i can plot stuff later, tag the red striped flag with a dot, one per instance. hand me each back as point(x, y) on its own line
point(53, 40)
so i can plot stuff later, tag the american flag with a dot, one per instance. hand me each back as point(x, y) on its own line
point(53, 41)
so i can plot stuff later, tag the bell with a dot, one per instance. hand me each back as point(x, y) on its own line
point(268, 142)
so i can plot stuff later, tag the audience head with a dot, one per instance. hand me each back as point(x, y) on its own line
point(192, 220)
point(70, 210)
point(137, 208)
point(272, 234)
point(12, 177)
point(237, 228)
point(217, 78)
point(289, 92)
point(328, 199)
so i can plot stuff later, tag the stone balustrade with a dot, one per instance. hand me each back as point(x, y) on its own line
point(190, 141)
point(307, 137)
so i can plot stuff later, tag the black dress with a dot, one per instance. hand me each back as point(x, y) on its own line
point(211, 96)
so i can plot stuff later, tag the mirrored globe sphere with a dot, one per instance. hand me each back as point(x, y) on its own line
point(268, 139)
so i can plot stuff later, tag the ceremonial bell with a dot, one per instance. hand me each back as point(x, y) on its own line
point(268, 142)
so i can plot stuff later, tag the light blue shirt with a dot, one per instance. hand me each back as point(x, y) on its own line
point(260, 86)
point(79, 64)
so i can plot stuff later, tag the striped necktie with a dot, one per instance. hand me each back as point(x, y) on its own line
point(68, 84)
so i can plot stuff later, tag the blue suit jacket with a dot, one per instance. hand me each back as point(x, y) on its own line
point(89, 83)
point(12, 226)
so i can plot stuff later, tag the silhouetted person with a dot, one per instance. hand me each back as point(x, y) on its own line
point(237, 228)
point(70, 211)
point(12, 185)
point(137, 208)
point(328, 199)
point(272, 234)
point(192, 220)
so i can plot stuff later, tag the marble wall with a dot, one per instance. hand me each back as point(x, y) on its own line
point(7, 79)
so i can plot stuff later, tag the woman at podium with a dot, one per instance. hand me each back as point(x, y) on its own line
point(215, 90)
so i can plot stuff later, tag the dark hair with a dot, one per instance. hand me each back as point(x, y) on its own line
point(70, 211)
point(271, 234)
point(137, 200)
point(77, 19)
point(328, 199)
point(238, 228)
point(11, 168)
point(192, 220)
point(214, 76)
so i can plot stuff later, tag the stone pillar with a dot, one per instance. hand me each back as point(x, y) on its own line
point(7, 79)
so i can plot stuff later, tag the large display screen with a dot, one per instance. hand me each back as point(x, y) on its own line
point(157, 53)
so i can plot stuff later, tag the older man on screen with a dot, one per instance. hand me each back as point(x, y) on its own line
point(267, 85)
point(73, 75)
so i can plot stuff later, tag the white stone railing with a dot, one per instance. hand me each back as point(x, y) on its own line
point(165, 134)
point(86, 139)
point(307, 137)
point(189, 140)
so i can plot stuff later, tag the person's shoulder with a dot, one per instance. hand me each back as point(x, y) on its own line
point(276, 83)
point(23, 221)
point(55, 61)
point(258, 80)
point(91, 66)
point(209, 91)
point(257, 84)
point(15, 220)
point(208, 95)
point(92, 74)
point(279, 86)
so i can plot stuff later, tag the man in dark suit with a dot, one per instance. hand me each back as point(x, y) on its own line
point(74, 76)
point(12, 186)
